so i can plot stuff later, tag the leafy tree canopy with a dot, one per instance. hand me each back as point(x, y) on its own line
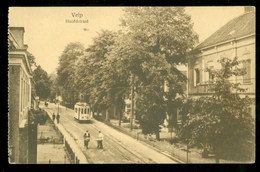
point(154, 42)
point(66, 72)
point(42, 84)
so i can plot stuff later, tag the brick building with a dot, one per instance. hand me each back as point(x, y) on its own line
point(19, 96)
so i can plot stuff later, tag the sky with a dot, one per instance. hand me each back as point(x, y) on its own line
point(47, 33)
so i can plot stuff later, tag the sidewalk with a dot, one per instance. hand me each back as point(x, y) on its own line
point(81, 157)
point(176, 151)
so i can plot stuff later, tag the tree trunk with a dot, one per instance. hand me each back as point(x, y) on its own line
point(157, 135)
point(107, 115)
point(115, 112)
point(120, 116)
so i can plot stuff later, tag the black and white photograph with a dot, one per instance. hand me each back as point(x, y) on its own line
point(131, 85)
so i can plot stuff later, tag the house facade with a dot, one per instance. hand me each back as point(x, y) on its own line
point(234, 39)
point(19, 96)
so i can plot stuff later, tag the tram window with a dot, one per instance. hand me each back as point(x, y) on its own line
point(76, 110)
point(85, 110)
point(81, 110)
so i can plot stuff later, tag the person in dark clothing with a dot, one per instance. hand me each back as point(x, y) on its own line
point(58, 118)
point(53, 117)
point(86, 138)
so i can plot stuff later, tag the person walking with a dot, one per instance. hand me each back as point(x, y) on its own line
point(58, 118)
point(86, 138)
point(100, 140)
point(53, 117)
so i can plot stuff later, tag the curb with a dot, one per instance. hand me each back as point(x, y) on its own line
point(72, 143)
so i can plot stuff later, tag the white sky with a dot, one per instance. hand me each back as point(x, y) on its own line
point(47, 33)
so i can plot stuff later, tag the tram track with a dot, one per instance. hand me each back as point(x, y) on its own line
point(113, 146)
point(125, 152)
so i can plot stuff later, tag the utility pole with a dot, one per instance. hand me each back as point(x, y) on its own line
point(132, 102)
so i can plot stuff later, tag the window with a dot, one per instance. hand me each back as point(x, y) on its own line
point(246, 79)
point(179, 117)
point(76, 110)
point(196, 77)
point(247, 76)
point(211, 75)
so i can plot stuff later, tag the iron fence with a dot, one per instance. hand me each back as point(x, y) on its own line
point(71, 155)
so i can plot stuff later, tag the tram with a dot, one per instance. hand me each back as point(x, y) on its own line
point(82, 112)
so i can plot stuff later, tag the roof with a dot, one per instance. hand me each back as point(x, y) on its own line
point(240, 26)
point(81, 104)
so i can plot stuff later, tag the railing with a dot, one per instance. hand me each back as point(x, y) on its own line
point(71, 155)
point(204, 88)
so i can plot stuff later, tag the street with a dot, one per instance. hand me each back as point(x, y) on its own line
point(118, 147)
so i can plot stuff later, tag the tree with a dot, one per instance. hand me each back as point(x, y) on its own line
point(31, 59)
point(97, 77)
point(221, 122)
point(42, 84)
point(154, 43)
point(53, 85)
point(65, 72)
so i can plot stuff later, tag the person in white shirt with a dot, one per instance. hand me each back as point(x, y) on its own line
point(100, 140)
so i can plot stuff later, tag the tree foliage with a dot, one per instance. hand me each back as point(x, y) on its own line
point(42, 84)
point(96, 77)
point(221, 122)
point(154, 43)
point(54, 85)
point(65, 72)
point(145, 54)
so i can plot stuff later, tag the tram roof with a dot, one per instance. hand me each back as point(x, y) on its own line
point(82, 104)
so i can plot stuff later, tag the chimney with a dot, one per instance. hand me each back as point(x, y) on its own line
point(18, 33)
point(25, 46)
point(249, 9)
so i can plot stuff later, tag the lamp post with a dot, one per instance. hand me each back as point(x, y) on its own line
point(132, 102)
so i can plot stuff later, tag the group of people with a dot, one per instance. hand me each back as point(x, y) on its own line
point(57, 118)
point(99, 140)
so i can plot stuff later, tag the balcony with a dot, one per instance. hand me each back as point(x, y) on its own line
point(204, 88)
